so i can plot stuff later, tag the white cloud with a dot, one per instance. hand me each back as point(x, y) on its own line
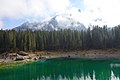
point(31, 8)
point(108, 10)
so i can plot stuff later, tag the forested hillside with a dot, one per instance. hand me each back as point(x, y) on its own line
point(97, 38)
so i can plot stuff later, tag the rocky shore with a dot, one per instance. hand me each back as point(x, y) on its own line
point(20, 56)
point(33, 56)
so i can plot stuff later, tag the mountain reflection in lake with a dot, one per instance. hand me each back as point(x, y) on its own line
point(64, 69)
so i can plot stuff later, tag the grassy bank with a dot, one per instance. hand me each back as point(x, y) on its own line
point(5, 65)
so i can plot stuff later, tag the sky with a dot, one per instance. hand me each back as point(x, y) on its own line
point(96, 12)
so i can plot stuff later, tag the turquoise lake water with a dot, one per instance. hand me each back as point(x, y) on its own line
point(64, 69)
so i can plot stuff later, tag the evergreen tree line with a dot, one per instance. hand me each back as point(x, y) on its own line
point(96, 38)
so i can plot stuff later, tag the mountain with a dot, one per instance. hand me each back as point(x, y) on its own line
point(63, 21)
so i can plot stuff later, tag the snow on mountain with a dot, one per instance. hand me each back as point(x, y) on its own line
point(67, 20)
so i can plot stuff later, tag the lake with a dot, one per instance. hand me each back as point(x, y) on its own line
point(64, 69)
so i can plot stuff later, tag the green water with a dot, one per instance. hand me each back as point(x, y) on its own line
point(64, 69)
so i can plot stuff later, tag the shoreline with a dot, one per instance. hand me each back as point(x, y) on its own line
point(26, 57)
point(33, 56)
point(90, 54)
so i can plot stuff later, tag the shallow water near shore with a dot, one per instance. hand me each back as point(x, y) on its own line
point(64, 69)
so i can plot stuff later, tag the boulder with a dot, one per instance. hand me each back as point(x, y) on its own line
point(20, 57)
point(22, 53)
point(26, 57)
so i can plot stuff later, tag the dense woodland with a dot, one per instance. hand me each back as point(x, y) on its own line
point(96, 38)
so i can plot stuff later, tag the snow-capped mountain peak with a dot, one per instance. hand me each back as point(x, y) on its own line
point(66, 20)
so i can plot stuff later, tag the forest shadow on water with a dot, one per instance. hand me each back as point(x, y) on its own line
point(64, 69)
